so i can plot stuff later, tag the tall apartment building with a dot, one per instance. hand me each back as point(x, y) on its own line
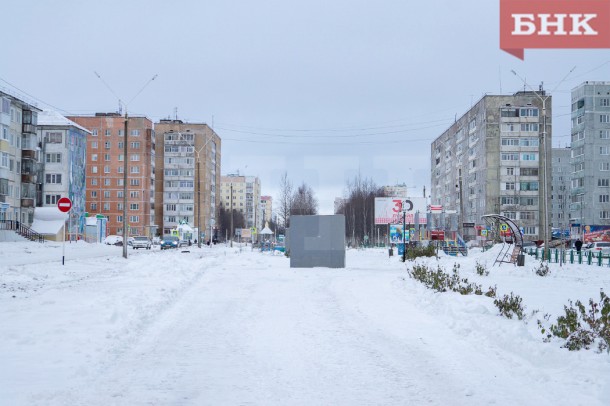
point(19, 159)
point(491, 161)
point(62, 174)
point(188, 175)
point(105, 171)
point(560, 188)
point(246, 192)
point(266, 209)
point(590, 188)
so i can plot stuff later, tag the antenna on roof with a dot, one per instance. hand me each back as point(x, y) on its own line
point(175, 113)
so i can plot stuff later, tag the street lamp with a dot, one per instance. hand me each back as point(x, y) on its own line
point(197, 152)
point(544, 153)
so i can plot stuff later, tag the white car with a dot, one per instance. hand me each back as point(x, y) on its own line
point(113, 240)
point(141, 242)
point(597, 247)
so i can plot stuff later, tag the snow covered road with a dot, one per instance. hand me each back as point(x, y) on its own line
point(223, 327)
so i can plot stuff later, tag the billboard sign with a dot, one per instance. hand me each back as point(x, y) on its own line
point(389, 210)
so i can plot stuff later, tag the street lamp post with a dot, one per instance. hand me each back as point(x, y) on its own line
point(197, 152)
point(543, 155)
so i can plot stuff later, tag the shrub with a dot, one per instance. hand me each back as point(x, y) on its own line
point(481, 270)
point(582, 327)
point(543, 269)
point(416, 252)
point(510, 305)
point(439, 281)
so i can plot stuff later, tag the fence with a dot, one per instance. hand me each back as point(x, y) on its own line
point(569, 256)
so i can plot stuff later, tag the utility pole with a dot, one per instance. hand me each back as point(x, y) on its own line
point(125, 223)
point(543, 156)
point(231, 207)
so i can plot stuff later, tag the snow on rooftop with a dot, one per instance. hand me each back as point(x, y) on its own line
point(53, 118)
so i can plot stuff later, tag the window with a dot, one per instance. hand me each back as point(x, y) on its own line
point(135, 133)
point(94, 157)
point(604, 166)
point(134, 206)
point(53, 178)
point(603, 182)
point(529, 230)
point(528, 142)
point(604, 118)
point(510, 157)
point(94, 169)
point(120, 145)
point(107, 133)
point(121, 133)
point(54, 137)
point(509, 112)
point(94, 193)
point(578, 167)
point(106, 168)
point(4, 159)
point(529, 171)
point(134, 194)
point(508, 200)
point(604, 198)
point(135, 145)
point(120, 169)
point(527, 215)
point(528, 186)
point(106, 182)
point(107, 157)
point(134, 219)
point(135, 169)
point(51, 199)
point(511, 215)
point(528, 201)
point(106, 194)
point(605, 150)
point(119, 194)
point(135, 157)
point(94, 144)
point(93, 206)
point(94, 132)
point(604, 134)
point(605, 102)
point(107, 145)
point(53, 158)
point(120, 206)
point(510, 171)
point(106, 207)
point(509, 186)
point(528, 112)
point(134, 182)
point(510, 141)
point(93, 181)
point(604, 214)
point(529, 157)
point(529, 126)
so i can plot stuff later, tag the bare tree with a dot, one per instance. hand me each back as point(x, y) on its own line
point(224, 217)
point(303, 201)
point(359, 208)
point(284, 202)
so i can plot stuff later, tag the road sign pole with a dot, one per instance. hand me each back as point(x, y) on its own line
point(64, 205)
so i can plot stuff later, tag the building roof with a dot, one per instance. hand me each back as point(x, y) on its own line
point(53, 118)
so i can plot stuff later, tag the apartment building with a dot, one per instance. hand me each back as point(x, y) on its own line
point(492, 160)
point(105, 174)
point(19, 159)
point(590, 159)
point(246, 193)
point(560, 188)
point(188, 175)
point(62, 172)
point(266, 209)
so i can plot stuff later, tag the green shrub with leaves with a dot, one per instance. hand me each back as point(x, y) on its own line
point(481, 270)
point(583, 327)
point(510, 305)
point(416, 252)
point(439, 281)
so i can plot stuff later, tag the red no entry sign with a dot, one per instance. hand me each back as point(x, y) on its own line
point(64, 204)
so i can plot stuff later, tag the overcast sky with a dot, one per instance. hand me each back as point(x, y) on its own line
point(319, 89)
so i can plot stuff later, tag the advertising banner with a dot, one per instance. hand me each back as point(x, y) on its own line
point(596, 233)
point(388, 210)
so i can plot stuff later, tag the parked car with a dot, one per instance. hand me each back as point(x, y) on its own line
point(130, 241)
point(170, 241)
point(114, 240)
point(598, 246)
point(141, 242)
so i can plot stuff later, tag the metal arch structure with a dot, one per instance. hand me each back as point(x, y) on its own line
point(517, 239)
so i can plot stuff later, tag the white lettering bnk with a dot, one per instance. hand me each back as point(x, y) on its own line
point(525, 24)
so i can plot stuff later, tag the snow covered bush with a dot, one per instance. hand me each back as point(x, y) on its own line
point(416, 252)
point(543, 269)
point(510, 305)
point(440, 281)
point(582, 328)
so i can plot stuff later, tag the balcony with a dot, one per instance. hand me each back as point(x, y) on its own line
point(27, 202)
point(28, 128)
point(28, 178)
point(28, 154)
